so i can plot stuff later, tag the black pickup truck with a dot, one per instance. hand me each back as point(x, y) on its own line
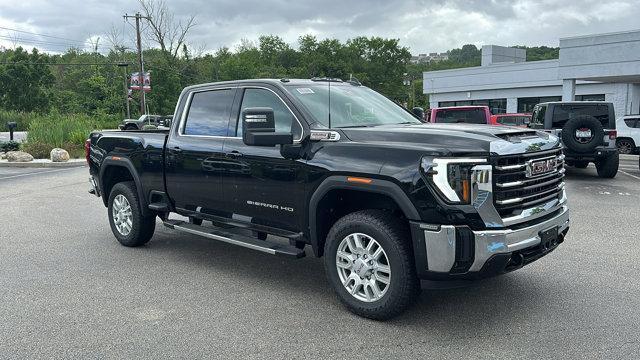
point(281, 165)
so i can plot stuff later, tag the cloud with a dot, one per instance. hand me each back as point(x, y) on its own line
point(423, 26)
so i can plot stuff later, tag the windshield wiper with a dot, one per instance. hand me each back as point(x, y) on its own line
point(355, 126)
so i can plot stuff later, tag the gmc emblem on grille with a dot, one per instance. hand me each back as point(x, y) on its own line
point(540, 167)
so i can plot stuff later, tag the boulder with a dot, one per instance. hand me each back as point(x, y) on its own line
point(19, 156)
point(59, 155)
point(3, 155)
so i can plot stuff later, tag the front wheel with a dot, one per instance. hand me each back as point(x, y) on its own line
point(608, 167)
point(128, 224)
point(369, 263)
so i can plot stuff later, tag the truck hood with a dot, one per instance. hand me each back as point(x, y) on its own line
point(457, 138)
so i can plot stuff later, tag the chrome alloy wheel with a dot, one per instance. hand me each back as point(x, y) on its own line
point(121, 212)
point(363, 267)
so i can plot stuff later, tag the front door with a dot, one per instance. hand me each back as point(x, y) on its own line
point(194, 155)
point(262, 186)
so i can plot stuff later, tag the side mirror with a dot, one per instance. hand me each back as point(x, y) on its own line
point(418, 112)
point(259, 128)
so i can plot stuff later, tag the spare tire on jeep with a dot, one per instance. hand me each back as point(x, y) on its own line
point(582, 133)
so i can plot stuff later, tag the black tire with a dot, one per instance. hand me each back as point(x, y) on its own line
point(195, 221)
point(580, 164)
point(582, 145)
point(142, 227)
point(608, 167)
point(625, 146)
point(394, 238)
point(130, 127)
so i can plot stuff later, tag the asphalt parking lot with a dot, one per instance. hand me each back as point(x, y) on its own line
point(69, 290)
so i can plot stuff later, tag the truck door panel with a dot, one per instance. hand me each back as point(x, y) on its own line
point(194, 156)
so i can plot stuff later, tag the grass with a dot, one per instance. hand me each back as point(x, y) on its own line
point(66, 131)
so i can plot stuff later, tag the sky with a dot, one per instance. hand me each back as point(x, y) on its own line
point(422, 26)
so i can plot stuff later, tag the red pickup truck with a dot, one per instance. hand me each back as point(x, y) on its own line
point(460, 114)
point(521, 120)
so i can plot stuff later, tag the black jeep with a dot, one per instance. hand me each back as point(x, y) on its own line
point(587, 130)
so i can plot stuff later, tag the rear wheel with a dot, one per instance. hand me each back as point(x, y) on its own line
point(369, 262)
point(608, 167)
point(130, 127)
point(128, 224)
point(625, 146)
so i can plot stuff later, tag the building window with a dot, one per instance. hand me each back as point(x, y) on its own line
point(525, 105)
point(591, 97)
point(496, 106)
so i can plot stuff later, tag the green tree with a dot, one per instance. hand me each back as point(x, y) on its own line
point(25, 81)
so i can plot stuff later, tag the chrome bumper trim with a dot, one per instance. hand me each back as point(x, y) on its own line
point(490, 242)
point(441, 244)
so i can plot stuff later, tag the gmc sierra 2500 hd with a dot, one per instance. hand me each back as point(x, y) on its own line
point(337, 167)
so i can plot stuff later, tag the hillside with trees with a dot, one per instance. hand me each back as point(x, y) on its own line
point(92, 83)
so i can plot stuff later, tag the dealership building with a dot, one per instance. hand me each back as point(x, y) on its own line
point(595, 67)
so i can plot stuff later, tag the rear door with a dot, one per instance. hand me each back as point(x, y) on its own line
point(195, 161)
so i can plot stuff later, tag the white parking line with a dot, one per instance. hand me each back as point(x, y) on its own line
point(34, 173)
point(633, 176)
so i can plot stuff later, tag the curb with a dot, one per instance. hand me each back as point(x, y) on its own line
point(37, 164)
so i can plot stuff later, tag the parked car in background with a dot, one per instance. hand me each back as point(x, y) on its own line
point(138, 124)
point(587, 130)
point(460, 114)
point(511, 119)
point(628, 134)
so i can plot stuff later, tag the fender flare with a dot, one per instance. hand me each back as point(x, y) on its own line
point(125, 163)
point(378, 186)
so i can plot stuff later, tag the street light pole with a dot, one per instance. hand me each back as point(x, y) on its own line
point(124, 65)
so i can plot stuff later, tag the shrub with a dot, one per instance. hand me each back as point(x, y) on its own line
point(9, 146)
point(63, 131)
point(20, 118)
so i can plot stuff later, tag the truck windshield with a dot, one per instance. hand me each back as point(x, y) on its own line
point(467, 116)
point(351, 106)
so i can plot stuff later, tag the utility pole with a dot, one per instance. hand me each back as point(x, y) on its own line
point(139, 17)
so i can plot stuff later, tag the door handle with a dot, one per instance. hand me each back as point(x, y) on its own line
point(235, 153)
point(176, 149)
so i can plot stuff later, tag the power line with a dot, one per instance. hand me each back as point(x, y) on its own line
point(43, 35)
point(65, 64)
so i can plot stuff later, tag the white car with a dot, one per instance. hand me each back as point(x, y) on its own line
point(628, 134)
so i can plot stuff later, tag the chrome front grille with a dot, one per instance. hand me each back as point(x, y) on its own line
point(516, 189)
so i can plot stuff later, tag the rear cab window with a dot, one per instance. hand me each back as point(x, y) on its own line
point(512, 120)
point(564, 112)
point(467, 116)
point(209, 112)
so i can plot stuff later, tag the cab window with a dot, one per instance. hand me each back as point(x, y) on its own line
point(284, 119)
point(209, 113)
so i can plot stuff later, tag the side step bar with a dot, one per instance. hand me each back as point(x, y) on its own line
point(236, 239)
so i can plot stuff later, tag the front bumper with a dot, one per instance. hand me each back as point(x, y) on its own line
point(456, 251)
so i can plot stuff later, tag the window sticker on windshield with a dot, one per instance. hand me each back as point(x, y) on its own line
point(305, 91)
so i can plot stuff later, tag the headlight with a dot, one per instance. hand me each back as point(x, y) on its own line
point(452, 177)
